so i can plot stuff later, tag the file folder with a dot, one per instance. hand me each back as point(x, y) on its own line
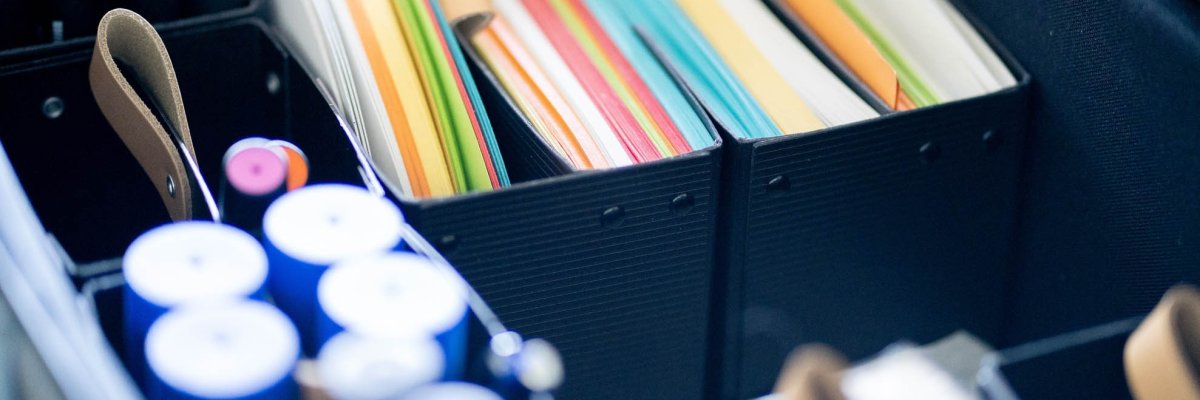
point(899, 226)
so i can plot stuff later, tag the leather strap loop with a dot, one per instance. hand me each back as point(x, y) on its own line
point(126, 36)
point(1162, 355)
point(811, 372)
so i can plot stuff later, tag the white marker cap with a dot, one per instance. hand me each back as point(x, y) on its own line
point(324, 224)
point(362, 368)
point(223, 350)
point(393, 295)
point(194, 261)
point(452, 391)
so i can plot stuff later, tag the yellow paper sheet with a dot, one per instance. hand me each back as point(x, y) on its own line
point(403, 72)
point(785, 107)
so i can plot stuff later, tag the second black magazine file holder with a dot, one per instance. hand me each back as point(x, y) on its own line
point(897, 227)
point(613, 266)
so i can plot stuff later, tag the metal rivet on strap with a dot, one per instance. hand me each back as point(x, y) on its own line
point(53, 107)
point(171, 186)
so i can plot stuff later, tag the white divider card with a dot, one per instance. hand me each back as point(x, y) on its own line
point(394, 295)
point(309, 229)
point(353, 366)
point(452, 391)
point(182, 263)
point(224, 350)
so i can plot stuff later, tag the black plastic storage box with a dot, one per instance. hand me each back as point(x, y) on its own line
point(91, 194)
point(613, 266)
point(898, 227)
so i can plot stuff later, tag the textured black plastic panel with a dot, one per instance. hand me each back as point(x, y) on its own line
point(899, 227)
point(26, 27)
point(1112, 191)
point(875, 241)
point(1086, 364)
point(626, 302)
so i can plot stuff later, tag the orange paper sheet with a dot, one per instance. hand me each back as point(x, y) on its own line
point(531, 90)
point(391, 99)
point(853, 47)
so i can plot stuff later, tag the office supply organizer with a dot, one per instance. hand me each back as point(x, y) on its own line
point(1061, 203)
point(247, 85)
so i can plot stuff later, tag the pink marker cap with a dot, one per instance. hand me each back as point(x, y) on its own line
point(256, 171)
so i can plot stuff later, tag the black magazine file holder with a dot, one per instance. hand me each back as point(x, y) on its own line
point(85, 185)
point(898, 227)
point(613, 266)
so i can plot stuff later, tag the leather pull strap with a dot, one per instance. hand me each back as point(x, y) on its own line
point(126, 36)
point(1162, 356)
point(811, 372)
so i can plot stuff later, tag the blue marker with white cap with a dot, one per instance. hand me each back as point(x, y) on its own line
point(182, 263)
point(353, 366)
point(237, 349)
point(308, 230)
point(397, 295)
point(452, 391)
